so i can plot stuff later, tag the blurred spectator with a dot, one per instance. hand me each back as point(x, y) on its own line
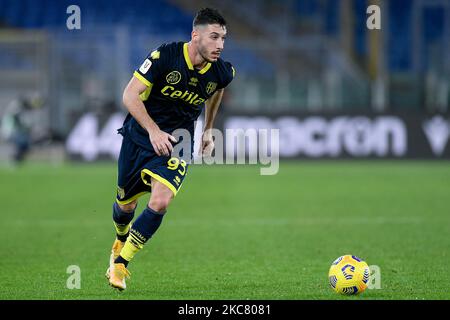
point(17, 123)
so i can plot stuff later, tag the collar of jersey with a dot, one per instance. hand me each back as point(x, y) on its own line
point(189, 62)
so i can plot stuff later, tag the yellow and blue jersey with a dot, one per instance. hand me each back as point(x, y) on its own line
point(175, 96)
point(176, 91)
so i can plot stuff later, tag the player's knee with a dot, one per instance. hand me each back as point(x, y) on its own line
point(129, 207)
point(159, 203)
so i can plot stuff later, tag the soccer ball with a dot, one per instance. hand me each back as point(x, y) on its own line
point(349, 275)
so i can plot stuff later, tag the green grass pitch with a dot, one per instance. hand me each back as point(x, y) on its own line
point(231, 233)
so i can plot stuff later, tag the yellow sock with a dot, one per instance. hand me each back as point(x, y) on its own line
point(121, 229)
point(130, 248)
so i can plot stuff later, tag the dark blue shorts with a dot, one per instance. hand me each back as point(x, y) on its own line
point(137, 166)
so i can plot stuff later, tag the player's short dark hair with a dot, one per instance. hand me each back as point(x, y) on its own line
point(209, 16)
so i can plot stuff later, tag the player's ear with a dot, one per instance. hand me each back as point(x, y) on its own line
point(194, 34)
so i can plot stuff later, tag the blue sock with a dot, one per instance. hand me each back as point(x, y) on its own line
point(146, 225)
point(122, 220)
point(141, 231)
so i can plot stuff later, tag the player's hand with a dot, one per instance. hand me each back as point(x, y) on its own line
point(161, 142)
point(207, 146)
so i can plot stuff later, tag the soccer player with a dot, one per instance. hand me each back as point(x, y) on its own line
point(168, 92)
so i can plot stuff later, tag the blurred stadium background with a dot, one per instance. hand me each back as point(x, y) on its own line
point(293, 56)
point(308, 67)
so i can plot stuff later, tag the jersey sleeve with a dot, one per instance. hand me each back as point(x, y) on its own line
point(152, 68)
point(228, 75)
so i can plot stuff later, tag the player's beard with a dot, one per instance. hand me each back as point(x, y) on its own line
point(204, 54)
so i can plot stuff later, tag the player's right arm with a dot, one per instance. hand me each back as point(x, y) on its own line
point(160, 140)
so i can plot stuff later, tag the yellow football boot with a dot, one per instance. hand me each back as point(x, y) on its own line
point(117, 275)
point(115, 252)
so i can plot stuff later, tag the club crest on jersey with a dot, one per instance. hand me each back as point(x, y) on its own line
point(173, 77)
point(210, 87)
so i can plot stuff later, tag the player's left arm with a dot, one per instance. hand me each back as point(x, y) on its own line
point(212, 106)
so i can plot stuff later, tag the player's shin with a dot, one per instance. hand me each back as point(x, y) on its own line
point(141, 231)
point(122, 221)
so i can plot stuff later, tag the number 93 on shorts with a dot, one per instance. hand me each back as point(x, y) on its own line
point(136, 181)
point(170, 173)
